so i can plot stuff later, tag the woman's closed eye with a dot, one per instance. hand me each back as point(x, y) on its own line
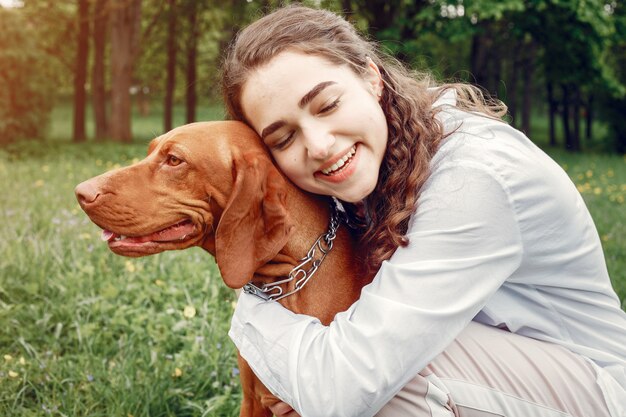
point(284, 141)
point(330, 107)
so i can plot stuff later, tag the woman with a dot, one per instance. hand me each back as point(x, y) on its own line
point(468, 222)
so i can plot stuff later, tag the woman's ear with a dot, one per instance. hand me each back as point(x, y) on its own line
point(374, 78)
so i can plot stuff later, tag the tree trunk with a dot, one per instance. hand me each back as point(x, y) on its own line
point(511, 91)
point(565, 115)
point(529, 68)
point(170, 83)
point(589, 118)
point(125, 21)
point(192, 51)
point(80, 74)
point(576, 119)
point(98, 89)
point(552, 109)
point(478, 60)
point(495, 69)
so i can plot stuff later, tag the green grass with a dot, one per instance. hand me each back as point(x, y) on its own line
point(84, 332)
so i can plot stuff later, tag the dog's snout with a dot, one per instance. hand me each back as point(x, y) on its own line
point(86, 192)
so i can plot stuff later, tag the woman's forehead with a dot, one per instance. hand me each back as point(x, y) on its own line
point(292, 74)
point(286, 79)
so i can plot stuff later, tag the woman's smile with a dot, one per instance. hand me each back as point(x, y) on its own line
point(337, 162)
point(338, 169)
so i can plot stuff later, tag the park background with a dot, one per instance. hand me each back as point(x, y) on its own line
point(85, 84)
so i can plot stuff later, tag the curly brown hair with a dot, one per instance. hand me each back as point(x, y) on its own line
point(407, 101)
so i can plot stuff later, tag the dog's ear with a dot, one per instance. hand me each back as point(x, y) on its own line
point(255, 224)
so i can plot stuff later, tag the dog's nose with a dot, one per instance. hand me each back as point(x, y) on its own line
point(86, 192)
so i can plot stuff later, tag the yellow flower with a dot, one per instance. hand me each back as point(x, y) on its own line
point(159, 283)
point(589, 173)
point(605, 238)
point(84, 236)
point(45, 168)
point(39, 183)
point(177, 373)
point(22, 360)
point(597, 191)
point(8, 358)
point(189, 312)
point(13, 374)
point(130, 267)
point(234, 304)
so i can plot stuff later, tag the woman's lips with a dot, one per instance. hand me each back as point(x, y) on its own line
point(341, 168)
point(332, 166)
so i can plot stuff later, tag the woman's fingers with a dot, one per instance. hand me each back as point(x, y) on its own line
point(281, 409)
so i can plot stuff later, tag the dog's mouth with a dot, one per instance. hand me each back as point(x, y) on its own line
point(174, 234)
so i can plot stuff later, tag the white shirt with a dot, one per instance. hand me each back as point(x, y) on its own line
point(500, 236)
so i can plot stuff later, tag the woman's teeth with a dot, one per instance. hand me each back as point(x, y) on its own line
point(341, 162)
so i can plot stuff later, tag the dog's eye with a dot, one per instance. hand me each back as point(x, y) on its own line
point(173, 160)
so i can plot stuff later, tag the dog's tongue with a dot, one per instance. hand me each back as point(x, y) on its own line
point(106, 235)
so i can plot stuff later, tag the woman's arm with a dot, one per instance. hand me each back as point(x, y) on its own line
point(464, 243)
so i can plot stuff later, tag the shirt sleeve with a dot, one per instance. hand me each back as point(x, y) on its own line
point(464, 243)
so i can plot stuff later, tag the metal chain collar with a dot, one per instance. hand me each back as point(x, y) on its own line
point(324, 244)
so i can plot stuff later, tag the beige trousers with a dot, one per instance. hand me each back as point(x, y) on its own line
point(488, 372)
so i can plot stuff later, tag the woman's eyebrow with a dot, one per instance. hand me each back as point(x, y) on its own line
point(314, 92)
point(272, 128)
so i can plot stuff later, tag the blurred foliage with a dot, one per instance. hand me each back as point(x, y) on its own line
point(26, 90)
point(613, 100)
point(578, 46)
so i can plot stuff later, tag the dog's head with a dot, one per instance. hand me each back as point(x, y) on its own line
point(209, 184)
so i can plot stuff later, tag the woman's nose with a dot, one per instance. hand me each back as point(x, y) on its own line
point(318, 144)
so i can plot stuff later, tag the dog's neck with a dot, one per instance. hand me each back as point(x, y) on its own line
point(324, 292)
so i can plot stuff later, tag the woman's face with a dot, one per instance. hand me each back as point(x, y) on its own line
point(322, 122)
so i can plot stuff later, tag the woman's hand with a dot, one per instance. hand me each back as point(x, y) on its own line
point(281, 409)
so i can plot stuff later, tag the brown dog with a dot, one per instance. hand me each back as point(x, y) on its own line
point(214, 185)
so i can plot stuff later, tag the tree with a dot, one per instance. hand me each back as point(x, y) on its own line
point(27, 74)
point(98, 86)
point(170, 83)
point(80, 72)
point(612, 98)
point(574, 38)
point(125, 31)
point(192, 54)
